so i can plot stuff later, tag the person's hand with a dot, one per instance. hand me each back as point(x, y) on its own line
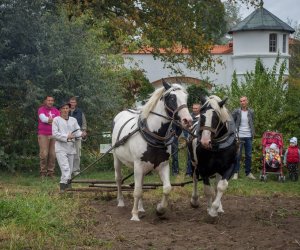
point(70, 136)
point(84, 134)
point(50, 120)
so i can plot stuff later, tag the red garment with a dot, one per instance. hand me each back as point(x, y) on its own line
point(45, 128)
point(292, 155)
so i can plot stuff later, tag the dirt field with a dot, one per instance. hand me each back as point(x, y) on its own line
point(248, 223)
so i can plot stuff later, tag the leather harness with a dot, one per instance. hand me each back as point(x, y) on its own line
point(153, 139)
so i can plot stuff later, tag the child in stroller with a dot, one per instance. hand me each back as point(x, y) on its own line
point(272, 145)
point(273, 158)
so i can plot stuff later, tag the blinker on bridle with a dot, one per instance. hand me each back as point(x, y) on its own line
point(168, 109)
point(214, 131)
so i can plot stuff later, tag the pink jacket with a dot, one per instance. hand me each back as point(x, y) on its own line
point(45, 128)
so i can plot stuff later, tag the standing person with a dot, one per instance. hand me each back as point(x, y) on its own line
point(65, 129)
point(174, 150)
point(292, 158)
point(195, 115)
point(244, 121)
point(46, 114)
point(80, 117)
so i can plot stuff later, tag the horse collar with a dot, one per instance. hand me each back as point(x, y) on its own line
point(154, 139)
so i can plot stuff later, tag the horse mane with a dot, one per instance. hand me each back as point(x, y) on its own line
point(223, 112)
point(155, 97)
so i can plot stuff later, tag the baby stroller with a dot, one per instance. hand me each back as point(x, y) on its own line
point(269, 139)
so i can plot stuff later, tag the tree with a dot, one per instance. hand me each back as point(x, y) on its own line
point(291, 119)
point(43, 52)
point(232, 18)
point(195, 93)
point(167, 27)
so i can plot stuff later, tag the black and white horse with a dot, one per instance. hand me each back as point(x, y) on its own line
point(213, 151)
point(150, 147)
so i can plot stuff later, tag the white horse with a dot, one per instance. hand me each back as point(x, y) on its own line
point(149, 145)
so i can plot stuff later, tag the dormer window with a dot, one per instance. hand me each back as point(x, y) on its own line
point(284, 43)
point(273, 43)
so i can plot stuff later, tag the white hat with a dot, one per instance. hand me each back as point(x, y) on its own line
point(273, 146)
point(293, 140)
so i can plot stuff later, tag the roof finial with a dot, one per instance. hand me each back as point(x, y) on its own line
point(261, 5)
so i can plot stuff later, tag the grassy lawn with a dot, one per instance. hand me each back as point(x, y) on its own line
point(33, 215)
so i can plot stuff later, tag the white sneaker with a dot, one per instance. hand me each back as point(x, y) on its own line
point(251, 176)
point(235, 176)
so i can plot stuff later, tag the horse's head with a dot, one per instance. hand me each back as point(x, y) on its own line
point(213, 118)
point(175, 101)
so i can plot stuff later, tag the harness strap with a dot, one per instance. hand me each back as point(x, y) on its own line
point(174, 112)
point(123, 127)
point(154, 139)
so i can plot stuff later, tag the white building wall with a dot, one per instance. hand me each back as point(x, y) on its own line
point(155, 69)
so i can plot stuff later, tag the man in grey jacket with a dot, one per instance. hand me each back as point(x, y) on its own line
point(244, 121)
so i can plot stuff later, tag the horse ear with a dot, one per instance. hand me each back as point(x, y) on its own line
point(202, 99)
point(166, 85)
point(221, 103)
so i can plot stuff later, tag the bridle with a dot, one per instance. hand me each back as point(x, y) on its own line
point(215, 131)
point(169, 111)
point(154, 139)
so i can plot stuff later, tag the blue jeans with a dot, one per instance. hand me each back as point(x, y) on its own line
point(246, 142)
point(174, 150)
point(189, 170)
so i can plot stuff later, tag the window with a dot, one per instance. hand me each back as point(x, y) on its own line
point(273, 43)
point(284, 43)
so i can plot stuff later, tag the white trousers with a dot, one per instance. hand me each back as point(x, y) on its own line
point(65, 162)
point(76, 164)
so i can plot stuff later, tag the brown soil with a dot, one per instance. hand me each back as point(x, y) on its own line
point(248, 223)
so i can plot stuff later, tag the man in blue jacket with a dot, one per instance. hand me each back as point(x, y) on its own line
point(80, 117)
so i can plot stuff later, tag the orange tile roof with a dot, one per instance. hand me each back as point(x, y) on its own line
point(217, 49)
point(222, 49)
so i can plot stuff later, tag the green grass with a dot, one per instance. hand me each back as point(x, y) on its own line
point(33, 215)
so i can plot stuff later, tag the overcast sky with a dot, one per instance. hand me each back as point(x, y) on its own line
point(283, 9)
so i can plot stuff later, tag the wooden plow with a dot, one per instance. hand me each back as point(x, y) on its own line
point(110, 186)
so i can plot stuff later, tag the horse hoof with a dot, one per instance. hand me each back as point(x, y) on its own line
point(121, 204)
point(220, 210)
point(213, 213)
point(160, 210)
point(194, 204)
point(135, 218)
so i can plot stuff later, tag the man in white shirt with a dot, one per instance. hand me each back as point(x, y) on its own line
point(65, 130)
point(244, 121)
